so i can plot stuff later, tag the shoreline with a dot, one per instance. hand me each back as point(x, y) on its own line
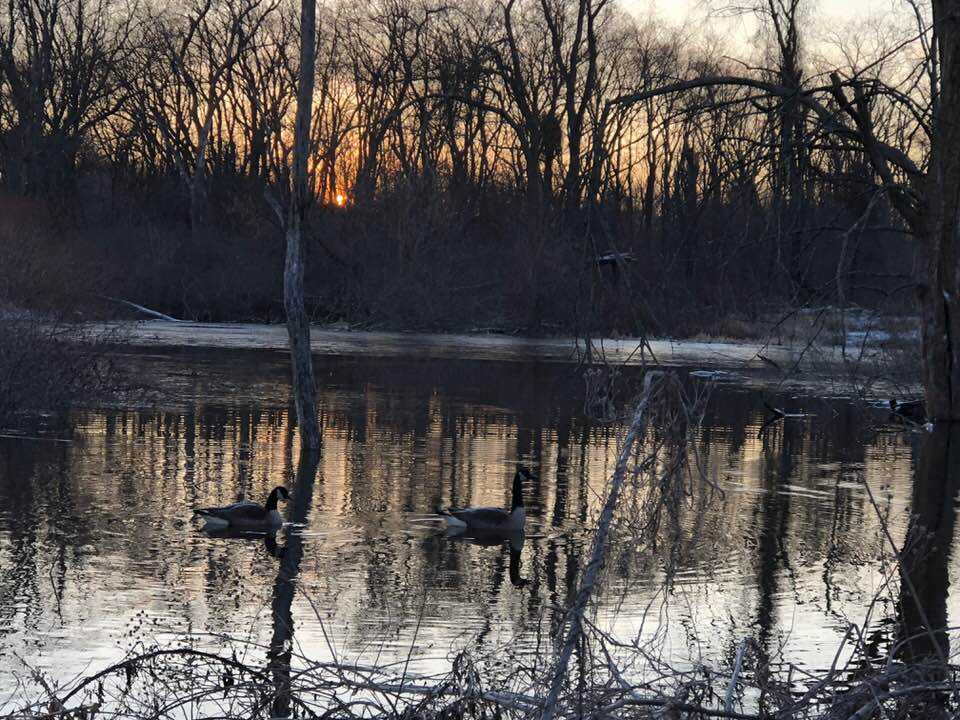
point(823, 369)
point(333, 340)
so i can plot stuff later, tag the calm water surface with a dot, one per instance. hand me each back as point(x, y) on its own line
point(99, 554)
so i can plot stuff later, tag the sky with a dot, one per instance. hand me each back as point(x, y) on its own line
point(828, 13)
point(862, 27)
point(678, 10)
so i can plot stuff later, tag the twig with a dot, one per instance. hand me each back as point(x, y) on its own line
point(905, 576)
point(668, 704)
point(728, 704)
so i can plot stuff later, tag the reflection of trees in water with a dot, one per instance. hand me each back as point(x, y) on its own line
point(830, 526)
point(780, 444)
point(19, 576)
point(904, 667)
point(44, 525)
point(409, 448)
point(924, 572)
point(284, 588)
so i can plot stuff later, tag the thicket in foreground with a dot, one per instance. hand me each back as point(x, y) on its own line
point(47, 366)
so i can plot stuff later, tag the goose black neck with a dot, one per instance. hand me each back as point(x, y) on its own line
point(272, 500)
point(517, 491)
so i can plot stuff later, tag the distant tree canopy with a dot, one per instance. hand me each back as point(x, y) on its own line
point(466, 94)
point(444, 114)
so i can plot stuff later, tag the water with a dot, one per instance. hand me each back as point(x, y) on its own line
point(99, 554)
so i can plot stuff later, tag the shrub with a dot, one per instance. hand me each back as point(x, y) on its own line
point(46, 365)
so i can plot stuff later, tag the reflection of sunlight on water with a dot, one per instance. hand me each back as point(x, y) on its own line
point(98, 553)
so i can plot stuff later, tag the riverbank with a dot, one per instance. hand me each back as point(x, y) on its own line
point(868, 365)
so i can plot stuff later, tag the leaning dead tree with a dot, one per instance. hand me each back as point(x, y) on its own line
point(657, 487)
point(598, 550)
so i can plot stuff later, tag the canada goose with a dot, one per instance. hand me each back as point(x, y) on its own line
point(911, 410)
point(246, 515)
point(494, 519)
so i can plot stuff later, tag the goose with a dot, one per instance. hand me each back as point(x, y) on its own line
point(493, 519)
point(911, 410)
point(246, 515)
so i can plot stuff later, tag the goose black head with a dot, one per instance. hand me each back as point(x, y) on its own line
point(276, 494)
point(524, 471)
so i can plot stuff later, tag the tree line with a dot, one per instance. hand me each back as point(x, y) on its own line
point(470, 163)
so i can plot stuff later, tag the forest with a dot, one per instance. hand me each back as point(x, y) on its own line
point(506, 166)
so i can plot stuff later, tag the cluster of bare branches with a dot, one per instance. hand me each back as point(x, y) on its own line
point(47, 366)
point(511, 92)
point(611, 678)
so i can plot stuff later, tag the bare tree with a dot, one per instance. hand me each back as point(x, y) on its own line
point(186, 68)
point(576, 60)
point(60, 63)
point(262, 95)
point(928, 202)
point(298, 326)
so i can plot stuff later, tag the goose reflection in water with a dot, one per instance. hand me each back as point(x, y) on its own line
point(273, 549)
point(513, 540)
point(269, 539)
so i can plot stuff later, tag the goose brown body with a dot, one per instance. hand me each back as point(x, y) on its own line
point(490, 518)
point(246, 515)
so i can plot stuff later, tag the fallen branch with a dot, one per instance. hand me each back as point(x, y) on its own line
point(637, 430)
point(143, 309)
point(667, 704)
point(737, 665)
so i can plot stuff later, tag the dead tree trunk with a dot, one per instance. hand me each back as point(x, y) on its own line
point(298, 326)
point(285, 586)
point(924, 562)
point(938, 290)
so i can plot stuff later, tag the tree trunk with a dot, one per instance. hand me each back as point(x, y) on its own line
point(534, 189)
point(298, 326)
point(924, 567)
point(939, 285)
point(198, 206)
point(940, 322)
point(571, 184)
